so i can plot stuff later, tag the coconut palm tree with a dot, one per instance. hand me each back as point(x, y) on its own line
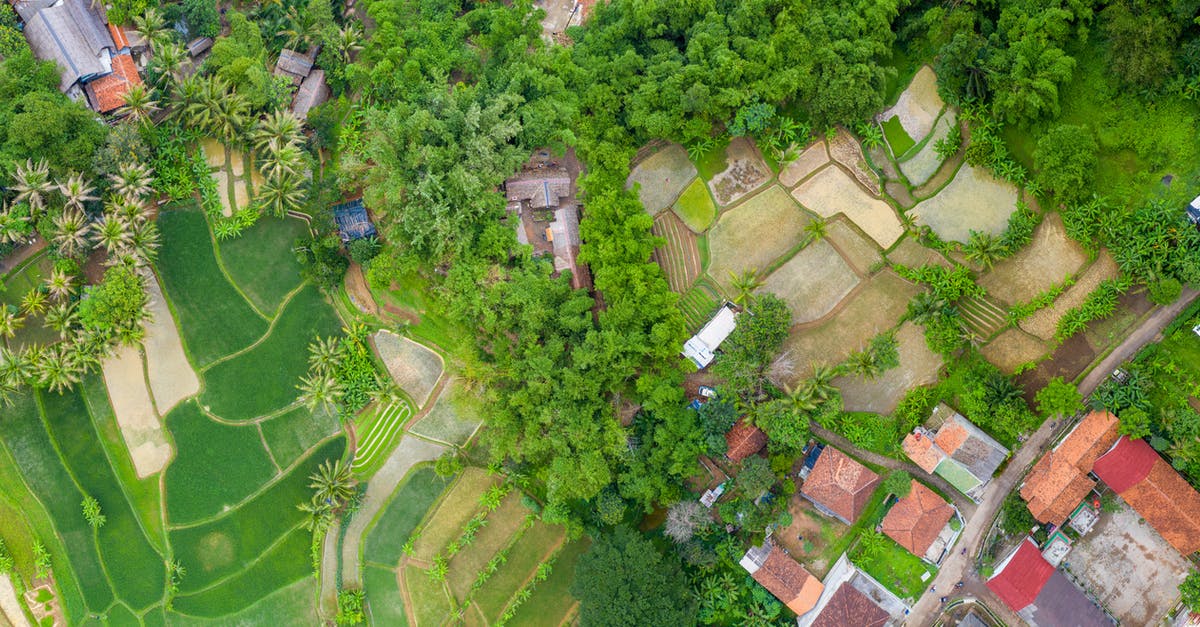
point(133, 180)
point(816, 229)
point(139, 103)
point(152, 27)
point(333, 483)
point(281, 158)
point(76, 191)
point(60, 318)
point(324, 353)
point(820, 384)
point(283, 194)
point(864, 364)
point(387, 391)
point(71, 231)
point(144, 242)
point(60, 285)
point(59, 368)
point(168, 59)
point(32, 184)
point(320, 391)
point(13, 227)
point(112, 233)
point(743, 286)
point(984, 249)
point(925, 306)
point(185, 96)
point(301, 31)
point(319, 515)
point(282, 126)
point(347, 42)
point(10, 321)
point(16, 367)
point(231, 110)
point(34, 302)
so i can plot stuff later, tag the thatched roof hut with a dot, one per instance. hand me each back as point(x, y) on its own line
point(72, 35)
point(293, 65)
point(313, 91)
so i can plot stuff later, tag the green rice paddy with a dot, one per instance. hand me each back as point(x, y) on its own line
point(408, 506)
point(696, 207)
point(262, 263)
point(289, 435)
point(897, 137)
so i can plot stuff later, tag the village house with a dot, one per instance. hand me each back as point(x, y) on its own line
point(702, 347)
point(1144, 480)
point(309, 82)
point(921, 523)
point(542, 197)
point(1059, 481)
point(1042, 595)
point(782, 576)
point(852, 597)
point(839, 486)
point(743, 440)
point(956, 450)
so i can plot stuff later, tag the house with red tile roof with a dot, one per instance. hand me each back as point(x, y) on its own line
point(920, 522)
point(744, 440)
point(848, 606)
point(783, 576)
point(839, 486)
point(852, 597)
point(958, 451)
point(107, 93)
point(1142, 478)
point(1059, 480)
point(1041, 595)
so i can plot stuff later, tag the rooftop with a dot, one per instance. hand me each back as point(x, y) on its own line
point(1020, 577)
point(920, 448)
point(312, 92)
point(1155, 491)
point(702, 347)
point(840, 484)
point(70, 33)
point(1094, 435)
point(783, 577)
point(1041, 595)
point(916, 520)
point(293, 65)
point(848, 606)
point(107, 93)
point(1059, 481)
point(744, 440)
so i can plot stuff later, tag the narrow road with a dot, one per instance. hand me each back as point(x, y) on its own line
point(959, 567)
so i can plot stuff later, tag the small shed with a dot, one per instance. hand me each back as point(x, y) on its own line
point(1193, 210)
point(702, 347)
point(293, 66)
point(199, 46)
point(352, 220)
point(313, 91)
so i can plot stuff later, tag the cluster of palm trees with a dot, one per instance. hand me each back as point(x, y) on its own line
point(333, 486)
point(321, 388)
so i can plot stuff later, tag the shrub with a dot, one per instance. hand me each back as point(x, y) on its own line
point(449, 464)
point(363, 250)
point(948, 145)
point(350, 607)
point(1066, 159)
point(92, 513)
point(1164, 291)
point(6, 560)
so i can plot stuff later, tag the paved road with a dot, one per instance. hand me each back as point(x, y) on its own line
point(959, 567)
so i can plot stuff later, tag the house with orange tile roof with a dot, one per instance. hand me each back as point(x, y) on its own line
point(839, 486)
point(920, 522)
point(852, 597)
point(1059, 480)
point(743, 440)
point(956, 450)
point(1144, 480)
point(783, 576)
point(107, 93)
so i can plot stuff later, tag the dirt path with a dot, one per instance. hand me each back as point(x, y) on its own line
point(327, 606)
point(22, 253)
point(10, 608)
point(959, 567)
point(408, 453)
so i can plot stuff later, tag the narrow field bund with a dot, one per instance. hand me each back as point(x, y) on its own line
point(381, 435)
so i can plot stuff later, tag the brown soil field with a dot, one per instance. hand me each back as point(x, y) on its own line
point(1045, 321)
point(859, 251)
point(140, 428)
point(678, 257)
point(812, 282)
point(416, 369)
point(1049, 258)
point(755, 233)
point(918, 105)
point(875, 307)
point(662, 177)
point(974, 201)
point(909, 252)
point(170, 373)
point(922, 165)
point(1068, 361)
point(846, 150)
point(918, 366)
point(812, 158)
point(1013, 348)
point(214, 152)
point(746, 171)
point(831, 191)
point(237, 162)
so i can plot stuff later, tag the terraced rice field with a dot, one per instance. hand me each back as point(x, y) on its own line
point(699, 302)
point(679, 256)
point(381, 432)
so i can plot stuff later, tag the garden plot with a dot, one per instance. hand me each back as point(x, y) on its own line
point(140, 427)
point(453, 419)
point(1044, 322)
point(846, 150)
point(974, 201)
point(808, 162)
point(695, 207)
point(415, 368)
point(171, 376)
point(918, 106)
point(918, 168)
point(859, 251)
point(1013, 348)
point(1049, 258)
point(679, 256)
point(378, 434)
point(813, 282)
point(745, 172)
point(918, 366)
point(875, 307)
point(662, 177)
point(755, 234)
point(831, 191)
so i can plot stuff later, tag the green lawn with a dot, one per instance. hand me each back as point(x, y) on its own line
point(407, 507)
point(264, 379)
point(696, 207)
point(223, 547)
point(262, 263)
point(552, 598)
point(523, 558)
point(895, 568)
point(215, 319)
point(897, 137)
point(215, 466)
point(289, 435)
point(385, 605)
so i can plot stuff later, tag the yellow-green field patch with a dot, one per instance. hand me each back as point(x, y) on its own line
point(755, 234)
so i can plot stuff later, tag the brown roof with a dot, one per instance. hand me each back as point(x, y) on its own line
point(921, 450)
point(293, 65)
point(951, 436)
point(785, 578)
point(107, 93)
point(1053, 488)
point(915, 521)
point(840, 484)
point(744, 440)
point(1090, 439)
point(849, 607)
point(1155, 491)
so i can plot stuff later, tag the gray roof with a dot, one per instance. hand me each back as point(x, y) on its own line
point(1061, 604)
point(199, 46)
point(979, 453)
point(293, 65)
point(541, 192)
point(313, 91)
point(72, 35)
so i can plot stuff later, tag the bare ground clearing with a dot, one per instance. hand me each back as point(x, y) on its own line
point(746, 171)
point(1013, 348)
point(662, 177)
point(172, 378)
point(831, 191)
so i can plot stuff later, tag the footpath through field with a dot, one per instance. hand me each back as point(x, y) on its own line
point(959, 567)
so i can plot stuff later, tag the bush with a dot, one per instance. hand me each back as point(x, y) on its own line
point(363, 250)
point(1164, 291)
point(1066, 160)
point(1016, 517)
point(449, 464)
point(350, 607)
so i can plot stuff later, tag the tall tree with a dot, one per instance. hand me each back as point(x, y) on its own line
point(623, 579)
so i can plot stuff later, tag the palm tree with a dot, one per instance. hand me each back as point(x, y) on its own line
point(144, 242)
point(801, 399)
point(319, 515)
point(13, 227)
point(871, 542)
point(168, 59)
point(34, 302)
point(984, 249)
point(864, 364)
point(282, 194)
point(816, 229)
point(60, 318)
point(16, 367)
point(32, 184)
point(333, 483)
point(925, 306)
point(10, 321)
point(347, 42)
point(133, 180)
point(71, 233)
point(743, 286)
point(280, 158)
point(112, 233)
point(76, 191)
point(152, 27)
point(324, 353)
point(139, 103)
point(231, 110)
point(59, 369)
point(187, 93)
point(820, 384)
point(387, 391)
point(60, 285)
point(282, 126)
point(302, 30)
point(320, 391)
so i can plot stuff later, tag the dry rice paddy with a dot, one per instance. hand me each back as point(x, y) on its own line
point(918, 366)
point(844, 149)
point(921, 166)
point(140, 426)
point(831, 191)
point(974, 201)
point(1013, 348)
point(812, 282)
point(1049, 258)
point(859, 251)
point(415, 369)
point(918, 106)
point(171, 376)
point(662, 177)
point(808, 162)
point(745, 173)
point(679, 256)
point(1045, 321)
point(755, 233)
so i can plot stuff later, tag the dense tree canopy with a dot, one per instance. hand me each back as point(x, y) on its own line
point(623, 579)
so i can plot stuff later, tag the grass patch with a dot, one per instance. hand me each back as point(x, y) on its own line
point(385, 605)
point(290, 435)
point(699, 303)
point(696, 207)
point(215, 466)
point(407, 507)
point(264, 378)
point(837, 544)
point(552, 597)
point(292, 605)
point(432, 326)
point(523, 558)
point(895, 568)
point(284, 565)
point(431, 606)
point(897, 137)
point(137, 571)
point(215, 320)
point(712, 162)
point(502, 525)
point(455, 510)
point(262, 263)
